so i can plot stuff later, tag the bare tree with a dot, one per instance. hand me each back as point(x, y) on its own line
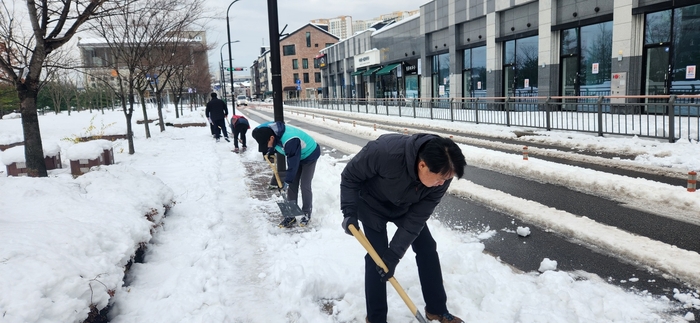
point(26, 49)
point(132, 36)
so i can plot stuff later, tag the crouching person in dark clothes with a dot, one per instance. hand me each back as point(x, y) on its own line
point(401, 179)
point(301, 152)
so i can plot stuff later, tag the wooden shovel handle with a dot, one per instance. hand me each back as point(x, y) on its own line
point(378, 260)
point(274, 170)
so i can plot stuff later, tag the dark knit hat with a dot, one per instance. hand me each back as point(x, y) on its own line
point(262, 136)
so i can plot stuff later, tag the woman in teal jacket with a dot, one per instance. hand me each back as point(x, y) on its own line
point(301, 152)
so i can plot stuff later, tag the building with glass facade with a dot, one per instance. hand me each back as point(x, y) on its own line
point(519, 48)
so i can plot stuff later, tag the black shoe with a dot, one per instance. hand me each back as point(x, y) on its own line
point(226, 138)
point(304, 220)
point(288, 222)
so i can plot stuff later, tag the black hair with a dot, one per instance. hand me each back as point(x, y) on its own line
point(443, 156)
point(213, 94)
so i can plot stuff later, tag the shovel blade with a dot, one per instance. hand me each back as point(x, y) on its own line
point(289, 209)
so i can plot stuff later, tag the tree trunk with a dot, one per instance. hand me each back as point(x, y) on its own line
point(145, 114)
point(33, 148)
point(159, 103)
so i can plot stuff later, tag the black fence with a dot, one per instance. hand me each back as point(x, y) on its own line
point(669, 117)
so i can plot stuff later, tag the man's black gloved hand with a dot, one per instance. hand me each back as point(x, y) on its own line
point(390, 260)
point(347, 221)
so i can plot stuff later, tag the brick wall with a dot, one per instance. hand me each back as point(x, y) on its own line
point(319, 39)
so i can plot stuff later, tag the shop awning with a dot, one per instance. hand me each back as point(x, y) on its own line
point(370, 71)
point(289, 88)
point(358, 72)
point(387, 69)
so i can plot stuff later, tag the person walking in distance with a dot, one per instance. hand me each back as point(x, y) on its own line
point(217, 113)
point(302, 152)
point(400, 179)
point(240, 126)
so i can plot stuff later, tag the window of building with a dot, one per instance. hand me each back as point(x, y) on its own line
point(296, 77)
point(315, 45)
point(306, 77)
point(317, 64)
point(295, 64)
point(317, 77)
point(288, 50)
point(308, 39)
point(304, 63)
point(329, 44)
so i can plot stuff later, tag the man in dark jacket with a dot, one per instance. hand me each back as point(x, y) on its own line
point(401, 179)
point(216, 113)
point(239, 126)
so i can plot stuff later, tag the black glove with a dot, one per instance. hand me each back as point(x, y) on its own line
point(271, 154)
point(347, 221)
point(390, 260)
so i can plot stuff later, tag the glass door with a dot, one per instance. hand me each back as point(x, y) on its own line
point(657, 74)
point(570, 81)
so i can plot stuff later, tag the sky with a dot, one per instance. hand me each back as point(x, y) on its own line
point(217, 255)
point(249, 21)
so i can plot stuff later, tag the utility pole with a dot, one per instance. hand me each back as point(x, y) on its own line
point(275, 68)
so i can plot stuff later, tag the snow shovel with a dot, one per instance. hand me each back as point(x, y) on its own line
point(288, 209)
point(378, 260)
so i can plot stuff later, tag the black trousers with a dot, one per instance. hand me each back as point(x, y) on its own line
point(429, 273)
point(218, 127)
point(239, 129)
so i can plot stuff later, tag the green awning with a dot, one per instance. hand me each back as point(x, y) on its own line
point(387, 69)
point(358, 72)
point(370, 71)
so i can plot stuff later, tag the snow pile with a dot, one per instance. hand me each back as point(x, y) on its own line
point(65, 242)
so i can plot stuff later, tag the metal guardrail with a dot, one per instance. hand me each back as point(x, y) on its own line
point(671, 117)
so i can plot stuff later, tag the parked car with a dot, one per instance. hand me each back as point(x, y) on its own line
point(268, 100)
point(242, 100)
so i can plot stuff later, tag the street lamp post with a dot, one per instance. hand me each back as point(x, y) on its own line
point(222, 78)
point(230, 60)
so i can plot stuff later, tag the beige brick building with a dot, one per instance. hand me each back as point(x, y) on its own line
point(300, 60)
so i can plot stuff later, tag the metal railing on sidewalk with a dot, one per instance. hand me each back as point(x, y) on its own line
point(671, 117)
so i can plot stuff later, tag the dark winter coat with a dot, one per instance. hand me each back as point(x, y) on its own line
point(216, 109)
point(237, 121)
point(380, 184)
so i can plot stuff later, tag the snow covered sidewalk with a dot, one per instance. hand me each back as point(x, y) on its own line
point(219, 257)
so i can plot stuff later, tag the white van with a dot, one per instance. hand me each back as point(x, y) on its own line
point(242, 100)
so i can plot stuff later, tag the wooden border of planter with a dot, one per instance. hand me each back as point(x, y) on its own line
point(105, 137)
point(8, 146)
point(149, 121)
point(185, 125)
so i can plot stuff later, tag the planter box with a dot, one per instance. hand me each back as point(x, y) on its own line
point(17, 169)
point(149, 121)
point(82, 166)
point(53, 162)
point(17, 166)
point(108, 156)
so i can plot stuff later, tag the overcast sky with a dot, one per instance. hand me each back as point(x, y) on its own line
point(249, 21)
